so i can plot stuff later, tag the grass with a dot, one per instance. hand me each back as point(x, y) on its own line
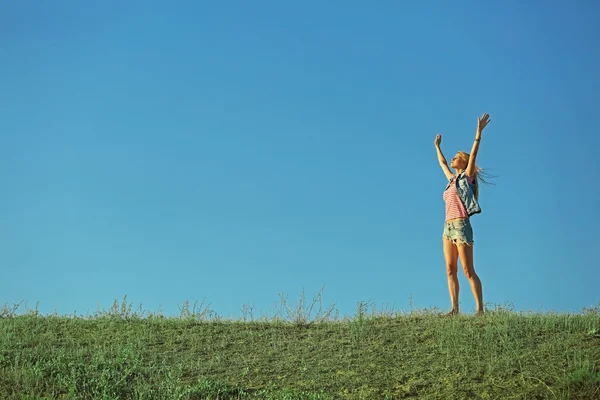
point(302, 352)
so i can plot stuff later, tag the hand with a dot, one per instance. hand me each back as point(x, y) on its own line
point(438, 140)
point(482, 122)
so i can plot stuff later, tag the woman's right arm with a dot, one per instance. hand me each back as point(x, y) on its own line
point(441, 158)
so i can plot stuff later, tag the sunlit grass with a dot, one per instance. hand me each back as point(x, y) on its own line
point(303, 351)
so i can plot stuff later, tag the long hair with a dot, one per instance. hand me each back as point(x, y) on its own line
point(481, 175)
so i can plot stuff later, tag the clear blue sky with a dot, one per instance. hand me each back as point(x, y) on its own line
point(233, 151)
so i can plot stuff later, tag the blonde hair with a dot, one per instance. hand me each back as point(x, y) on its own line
point(480, 174)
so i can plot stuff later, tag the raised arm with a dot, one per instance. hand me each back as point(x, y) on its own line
point(481, 124)
point(441, 158)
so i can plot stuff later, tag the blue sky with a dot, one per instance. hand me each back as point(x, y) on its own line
point(234, 151)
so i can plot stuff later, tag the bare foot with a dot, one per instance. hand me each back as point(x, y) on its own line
point(452, 313)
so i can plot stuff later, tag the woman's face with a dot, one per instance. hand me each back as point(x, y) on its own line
point(458, 162)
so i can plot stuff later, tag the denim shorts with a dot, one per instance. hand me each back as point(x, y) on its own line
point(459, 231)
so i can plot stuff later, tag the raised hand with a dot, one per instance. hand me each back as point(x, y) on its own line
point(482, 122)
point(438, 140)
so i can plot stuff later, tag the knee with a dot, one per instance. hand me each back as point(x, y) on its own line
point(469, 273)
point(451, 269)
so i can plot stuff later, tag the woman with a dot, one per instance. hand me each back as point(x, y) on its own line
point(461, 198)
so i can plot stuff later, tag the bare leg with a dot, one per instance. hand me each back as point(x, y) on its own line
point(451, 257)
point(465, 253)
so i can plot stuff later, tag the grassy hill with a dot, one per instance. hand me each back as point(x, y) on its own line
point(300, 354)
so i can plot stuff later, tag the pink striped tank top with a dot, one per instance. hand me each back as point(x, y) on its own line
point(454, 206)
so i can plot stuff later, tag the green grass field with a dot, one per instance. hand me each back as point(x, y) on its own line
point(299, 353)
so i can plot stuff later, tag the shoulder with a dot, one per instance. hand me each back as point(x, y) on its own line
point(470, 179)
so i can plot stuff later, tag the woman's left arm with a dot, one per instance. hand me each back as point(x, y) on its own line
point(481, 124)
